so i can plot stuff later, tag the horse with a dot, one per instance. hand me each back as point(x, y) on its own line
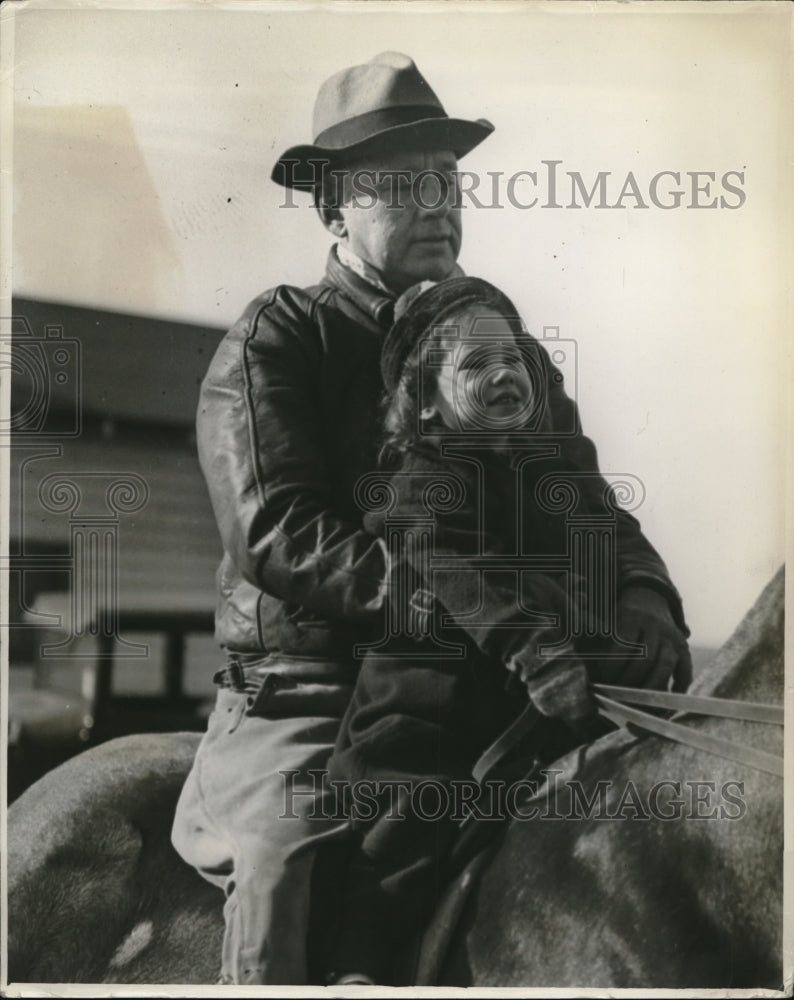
point(644, 893)
point(652, 865)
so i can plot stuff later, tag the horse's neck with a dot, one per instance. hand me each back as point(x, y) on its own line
point(750, 664)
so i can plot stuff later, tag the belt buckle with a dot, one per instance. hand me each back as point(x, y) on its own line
point(231, 676)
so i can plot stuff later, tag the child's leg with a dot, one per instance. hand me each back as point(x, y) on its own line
point(410, 725)
point(394, 882)
point(240, 827)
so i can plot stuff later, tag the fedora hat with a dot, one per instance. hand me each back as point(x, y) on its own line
point(382, 106)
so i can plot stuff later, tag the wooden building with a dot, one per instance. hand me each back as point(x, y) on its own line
point(112, 542)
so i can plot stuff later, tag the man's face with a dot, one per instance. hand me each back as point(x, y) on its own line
point(401, 218)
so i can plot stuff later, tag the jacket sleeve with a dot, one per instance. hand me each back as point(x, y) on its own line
point(638, 562)
point(484, 602)
point(260, 430)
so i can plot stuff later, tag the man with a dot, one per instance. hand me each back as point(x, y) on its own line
point(288, 423)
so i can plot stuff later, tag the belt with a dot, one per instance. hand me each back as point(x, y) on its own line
point(237, 677)
point(280, 685)
point(242, 676)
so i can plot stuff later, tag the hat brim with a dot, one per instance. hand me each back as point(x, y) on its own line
point(301, 167)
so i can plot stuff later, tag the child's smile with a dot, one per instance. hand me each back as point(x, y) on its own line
point(482, 382)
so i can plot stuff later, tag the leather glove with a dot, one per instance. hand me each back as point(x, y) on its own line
point(373, 522)
point(557, 686)
point(644, 616)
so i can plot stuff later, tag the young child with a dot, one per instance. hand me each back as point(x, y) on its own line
point(472, 408)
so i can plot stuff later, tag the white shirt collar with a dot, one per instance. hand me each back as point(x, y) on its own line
point(360, 267)
point(348, 258)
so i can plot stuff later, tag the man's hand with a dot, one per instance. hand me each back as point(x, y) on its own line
point(557, 687)
point(643, 616)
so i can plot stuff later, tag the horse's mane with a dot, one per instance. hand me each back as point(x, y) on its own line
point(759, 636)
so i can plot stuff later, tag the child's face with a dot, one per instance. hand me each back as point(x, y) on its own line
point(483, 384)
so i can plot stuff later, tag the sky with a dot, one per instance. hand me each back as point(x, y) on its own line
point(142, 146)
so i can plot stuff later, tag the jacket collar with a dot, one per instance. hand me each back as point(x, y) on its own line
point(362, 283)
point(373, 299)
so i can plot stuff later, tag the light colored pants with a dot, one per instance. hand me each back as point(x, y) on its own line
point(237, 823)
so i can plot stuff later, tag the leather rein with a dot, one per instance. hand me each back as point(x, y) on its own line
point(615, 703)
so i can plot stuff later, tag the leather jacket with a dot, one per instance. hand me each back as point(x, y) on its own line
point(288, 422)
